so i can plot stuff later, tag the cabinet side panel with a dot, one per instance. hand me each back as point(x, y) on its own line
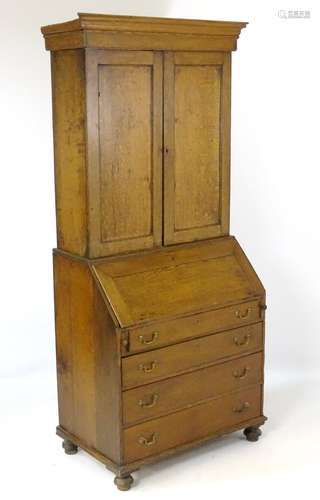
point(68, 94)
point(88, 360)
point(63, 342)
point(75, 346)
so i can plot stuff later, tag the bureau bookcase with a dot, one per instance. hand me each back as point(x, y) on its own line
point(159, 314)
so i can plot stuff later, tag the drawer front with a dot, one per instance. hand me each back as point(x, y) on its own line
point(177, 392)
point(147, 367)
point(156, 436)
point(170, 332)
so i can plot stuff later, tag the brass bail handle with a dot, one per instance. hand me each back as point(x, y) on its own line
point(241, 342)
point(153, 400)
point(148, 368)
point(244, 406)
point(243, 314)
point(148, 442)
point(154, 337)
point(241, 374)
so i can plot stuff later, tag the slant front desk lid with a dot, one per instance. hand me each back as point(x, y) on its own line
point(177, 281)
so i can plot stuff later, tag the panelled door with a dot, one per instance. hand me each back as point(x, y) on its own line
point(124, 127)
point(196, 145)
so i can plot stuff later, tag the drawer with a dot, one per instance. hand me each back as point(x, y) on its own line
point(147, 367)
point(171, 394)
point(170, 332)
point(192, 424)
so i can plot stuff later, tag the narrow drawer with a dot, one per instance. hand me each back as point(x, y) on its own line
point(156, 436)
point(170, 332)
point(147, 367)
point(171, 394)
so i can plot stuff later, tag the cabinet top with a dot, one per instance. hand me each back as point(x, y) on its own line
point(135, 32)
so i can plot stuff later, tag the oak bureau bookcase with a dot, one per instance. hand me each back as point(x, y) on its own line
point(159, 314)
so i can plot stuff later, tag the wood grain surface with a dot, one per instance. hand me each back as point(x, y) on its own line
point(153, 400)
point(88, 362)
point(150, 438)
point(142, 33)
point(196, 140)
point(68, 103)
point(124, 97)
point(185, 286)
point(161, 363)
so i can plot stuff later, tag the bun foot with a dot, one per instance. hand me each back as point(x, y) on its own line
point(252, 433)
point(69, 447)
point(123, 483)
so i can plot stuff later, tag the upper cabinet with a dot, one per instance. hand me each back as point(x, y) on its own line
point(141, 112)
point(196, 138)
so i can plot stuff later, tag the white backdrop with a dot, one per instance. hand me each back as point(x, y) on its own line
point(275, 211)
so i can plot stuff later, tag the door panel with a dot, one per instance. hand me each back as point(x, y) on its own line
point(125, 157)
point(196, 140)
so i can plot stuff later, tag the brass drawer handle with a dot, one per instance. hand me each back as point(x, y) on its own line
point(148, 368)
point(243, 407)
point(241, 374)
point(153, 338)
point(244, 341)
point(153, 400)
point(148, 442)
point(244, 314)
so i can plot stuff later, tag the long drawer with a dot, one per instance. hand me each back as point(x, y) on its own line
point(152, 400)
point(155, 436)
point(176, 330)
point(147, 367)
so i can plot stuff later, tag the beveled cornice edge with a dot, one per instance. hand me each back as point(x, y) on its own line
point(93, 30)
point(105, 22)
